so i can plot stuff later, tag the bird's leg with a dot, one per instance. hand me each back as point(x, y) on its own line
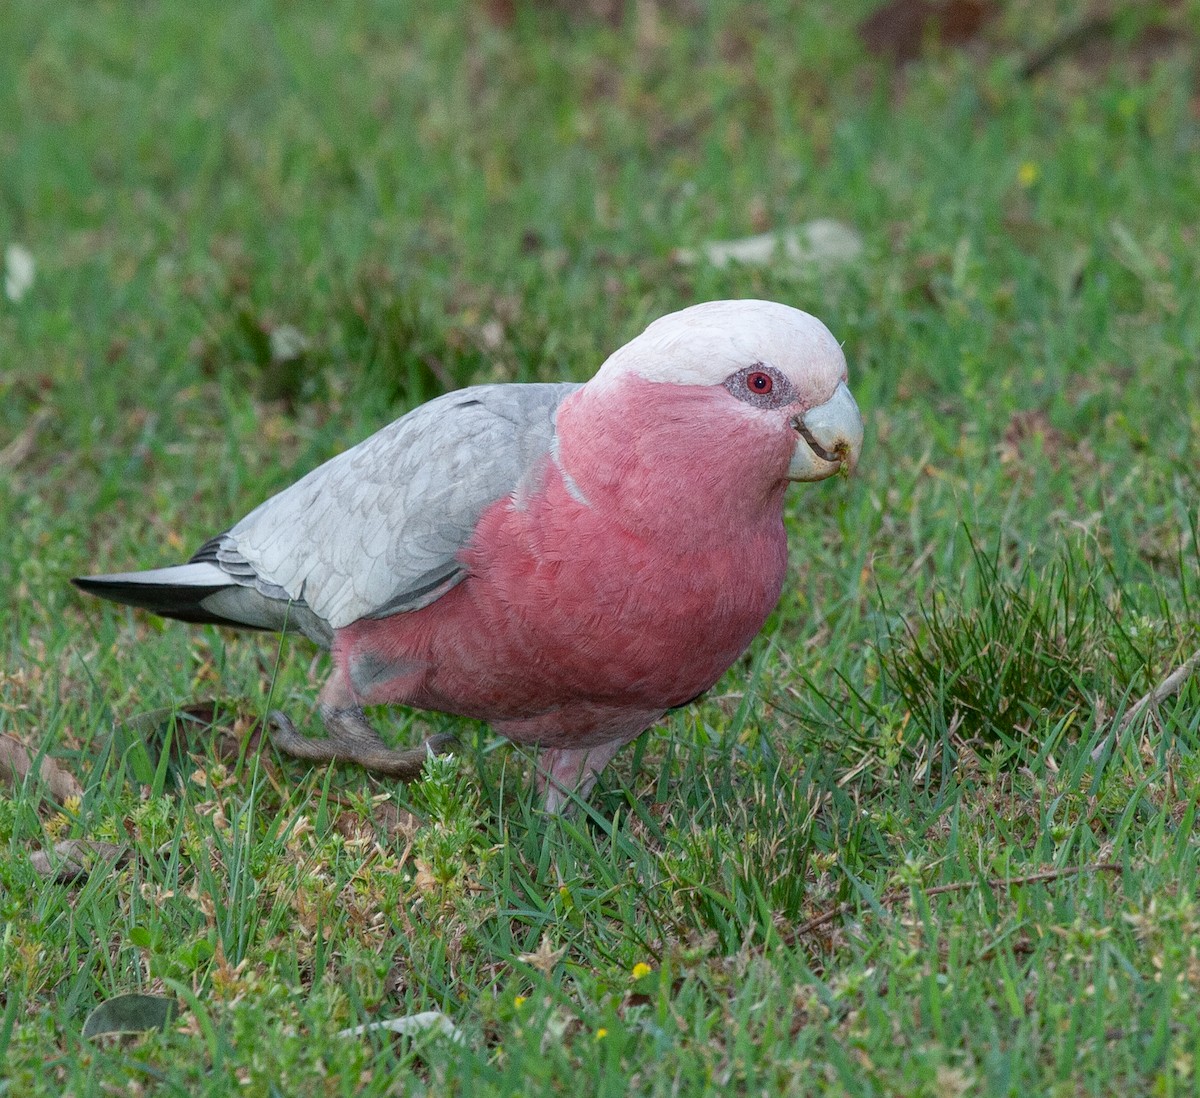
point(350, 737)
point(563, 772)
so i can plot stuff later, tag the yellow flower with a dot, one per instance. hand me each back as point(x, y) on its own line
point(520, 1001)
point(1028, 173)
point(641, 969)
point(601, 1033)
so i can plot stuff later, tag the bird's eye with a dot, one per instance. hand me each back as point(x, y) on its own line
point(760, 382)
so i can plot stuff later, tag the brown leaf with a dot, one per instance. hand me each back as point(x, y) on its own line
point(544, 958)
point(501, 12)
point(424, 881)
point(385, 815)
point(151, 728)
point(74, 858)
point(902, 28)
point(1025, 426)
point(16, 761)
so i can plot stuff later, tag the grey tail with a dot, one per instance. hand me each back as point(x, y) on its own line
point(177, 592)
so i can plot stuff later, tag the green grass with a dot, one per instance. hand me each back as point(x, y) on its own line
point(433, 199)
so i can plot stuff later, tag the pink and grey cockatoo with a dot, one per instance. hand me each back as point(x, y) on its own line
point(566, 562)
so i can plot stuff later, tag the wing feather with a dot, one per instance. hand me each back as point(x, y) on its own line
point(377, 530)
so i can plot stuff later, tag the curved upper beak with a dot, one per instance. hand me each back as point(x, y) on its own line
point(830, 439)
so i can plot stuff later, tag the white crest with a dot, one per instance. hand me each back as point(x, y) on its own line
point(705, 343)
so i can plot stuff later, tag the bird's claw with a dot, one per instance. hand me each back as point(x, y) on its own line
point(352, 739)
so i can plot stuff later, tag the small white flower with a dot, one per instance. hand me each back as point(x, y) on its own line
point(18, 271)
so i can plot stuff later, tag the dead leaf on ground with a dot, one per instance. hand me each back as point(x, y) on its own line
point(410, 1025)
point(385, 815)
point(16, 761)
point(1023, 427)
point(128, 1014)
point(820, 243)
point(544, 958)
point(75, 858)
point(424, 881)
point(901, 29)
point(196, 717)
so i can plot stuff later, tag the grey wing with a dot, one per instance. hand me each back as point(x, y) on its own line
point(377, 530)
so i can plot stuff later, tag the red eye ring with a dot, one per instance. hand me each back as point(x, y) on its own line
point(760, 382)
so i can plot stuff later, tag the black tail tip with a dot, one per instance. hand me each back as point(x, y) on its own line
point(168, 600)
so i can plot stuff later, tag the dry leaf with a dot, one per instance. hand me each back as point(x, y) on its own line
point(424, 881)
point(1025, 426)
point(900, 29)
point(123, 1015)
point(16, 760)
point(544, 958)
point(151, 727)
point(74, 858)
point(394, 821)
point(410, 1025)
point(822, 242)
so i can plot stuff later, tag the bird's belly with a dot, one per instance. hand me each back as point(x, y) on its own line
point(568, 637)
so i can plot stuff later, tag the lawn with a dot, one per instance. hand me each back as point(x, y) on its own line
point(918, 842)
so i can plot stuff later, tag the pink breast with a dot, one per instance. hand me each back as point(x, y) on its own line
point(570, 615)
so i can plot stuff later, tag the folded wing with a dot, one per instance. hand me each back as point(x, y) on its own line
point(374, 531)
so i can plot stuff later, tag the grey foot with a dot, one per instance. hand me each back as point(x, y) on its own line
point(350, 738)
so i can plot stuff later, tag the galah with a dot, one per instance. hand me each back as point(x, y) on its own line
point(566, 562)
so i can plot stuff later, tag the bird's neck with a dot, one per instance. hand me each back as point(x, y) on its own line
point(672, 459)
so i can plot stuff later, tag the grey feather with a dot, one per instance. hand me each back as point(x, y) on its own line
point(246, 605)
point(377, 530)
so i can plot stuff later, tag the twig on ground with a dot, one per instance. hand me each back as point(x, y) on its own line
point(1068, 42)
point(23, 445)
point(1169, 686)
point(896, 895)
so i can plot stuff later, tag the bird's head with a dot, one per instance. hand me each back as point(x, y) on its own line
point(774, 365)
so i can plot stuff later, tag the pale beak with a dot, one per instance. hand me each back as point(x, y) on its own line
point(830, 439)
